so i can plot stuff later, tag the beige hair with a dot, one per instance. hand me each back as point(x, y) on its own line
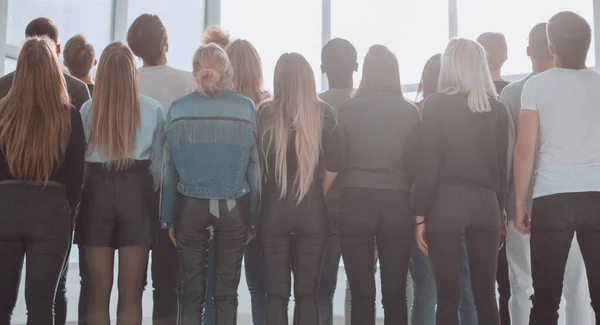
point(115, 110)
point(294, 112)
point(35, 116)
point(464, 70)
point(381, 74)
point(215, 34)
point(496, 49)
point(247, 70)
point(212, 69)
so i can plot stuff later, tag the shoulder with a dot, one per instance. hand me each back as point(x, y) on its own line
point(513, 89)
point(85, 108)
point(149, 104)
point(75, 84)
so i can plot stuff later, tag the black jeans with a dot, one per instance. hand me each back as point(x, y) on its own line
point(84, 287)
point(474, 212)
point(60, 300)
point(555, 218)
point(382, 217)
point(34, 223)
point(295, 235)
point(165, 273)
point(191, 232)
point(503, 281)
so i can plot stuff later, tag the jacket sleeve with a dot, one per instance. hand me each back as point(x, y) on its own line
point(169, 187)
point(253, 175)
point(156, 156)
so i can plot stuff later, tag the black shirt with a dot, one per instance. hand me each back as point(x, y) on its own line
point(91, 89)
point(375, 133)
point(328, 159)
point(78, 90)
point(460, 148)
point(70, 171)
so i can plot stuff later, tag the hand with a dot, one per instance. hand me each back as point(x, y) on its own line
point(504, 225)
point(172, 236)
point(523, 221)
point(76, 216)
point(420, 235)
point(251, 235)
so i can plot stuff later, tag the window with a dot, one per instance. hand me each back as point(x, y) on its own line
point(10, 65)
point(515, 18)
point(413, 29)
point(275, 27)
point(184, 22)
point(91, 18)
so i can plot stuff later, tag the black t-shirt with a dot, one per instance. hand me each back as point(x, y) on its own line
point(70, 171)
point(460, 148)
point(91, 88)
point(328, 158)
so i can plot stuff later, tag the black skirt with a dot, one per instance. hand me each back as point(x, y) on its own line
point(118, 208)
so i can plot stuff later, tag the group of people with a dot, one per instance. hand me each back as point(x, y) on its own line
point(203, 170)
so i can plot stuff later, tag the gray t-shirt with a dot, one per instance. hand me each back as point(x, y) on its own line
point(567, 102)
point(511, 98)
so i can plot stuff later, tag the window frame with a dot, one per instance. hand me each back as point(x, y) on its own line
point(213, 16)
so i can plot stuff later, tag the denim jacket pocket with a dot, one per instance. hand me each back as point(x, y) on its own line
point(448, 202)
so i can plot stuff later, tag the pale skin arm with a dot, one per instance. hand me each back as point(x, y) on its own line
point(328, 181)
point(523, 166)
point(420, 235)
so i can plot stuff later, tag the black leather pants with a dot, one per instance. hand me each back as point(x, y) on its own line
point(291, 234)
point(192, 224)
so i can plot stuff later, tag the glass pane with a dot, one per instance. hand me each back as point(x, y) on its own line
point(413, 29)
point(275, 27)
point(10, 65)
point(93, 18)
point(185, 27)
point(515, 18)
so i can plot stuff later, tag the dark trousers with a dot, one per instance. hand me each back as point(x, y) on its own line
point(84, 287)
point(165, 273)
point(60, 299)
point(555, 218)
point(230, 235)
point(255, 277)
point(329, 276)
point(475, 213)
point(381, 217)
point(503, 286)
point(295, 235)
point(34, 223)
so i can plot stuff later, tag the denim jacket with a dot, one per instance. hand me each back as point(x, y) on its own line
point(212, 154)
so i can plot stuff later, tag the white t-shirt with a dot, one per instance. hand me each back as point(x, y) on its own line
point(165, 84)
point(568, 104)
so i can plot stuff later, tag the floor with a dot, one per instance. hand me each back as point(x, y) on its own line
point(244, 310)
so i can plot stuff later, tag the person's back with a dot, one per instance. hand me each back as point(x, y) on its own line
point(165, 83)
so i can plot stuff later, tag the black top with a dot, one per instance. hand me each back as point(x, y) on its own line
point(70, 171)
point(375, 133)
point(91, 89)
point(78, 90)
point(460, 148)
point(328, 159)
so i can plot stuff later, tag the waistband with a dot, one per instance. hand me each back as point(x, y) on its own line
point(29, 183)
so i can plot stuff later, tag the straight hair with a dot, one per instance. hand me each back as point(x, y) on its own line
point(294, 112)
point(247, 70)
point(381, 73)
point(115, 110)
point(464, 70)
point(35, 116)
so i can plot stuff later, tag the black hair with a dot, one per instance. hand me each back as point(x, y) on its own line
point(339, 56)
point(42, 26)
point(430, 78)
point(538, 43)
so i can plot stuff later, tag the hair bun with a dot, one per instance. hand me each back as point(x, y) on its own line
point(208, 80)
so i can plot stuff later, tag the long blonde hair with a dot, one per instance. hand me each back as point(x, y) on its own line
point(35, 116)
point(212, 69)
point(247, 70)
point(465, 70)
point(295, 111)
point(115, 110)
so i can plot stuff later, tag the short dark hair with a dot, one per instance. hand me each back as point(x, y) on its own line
point(570, 36)
point(430, 76)
point(495, 47)
point(538, 43)
point(42, 26)
point(339, 55)
point(79, 56)
point(147, 38)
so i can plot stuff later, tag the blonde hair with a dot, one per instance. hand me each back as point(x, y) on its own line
point(216, 34)
point(464, 70)
point(212, 69)
point(247, 70)
point(115, 110)
point(294, 112)
point(35, 116)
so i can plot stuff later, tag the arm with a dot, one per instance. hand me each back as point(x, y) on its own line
point(156, 155)
point(411, 149)
point(170, 179)
point(75, 159)
point(525, 155)
point(502, 147)
point(253, 175)
point(331, 149)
